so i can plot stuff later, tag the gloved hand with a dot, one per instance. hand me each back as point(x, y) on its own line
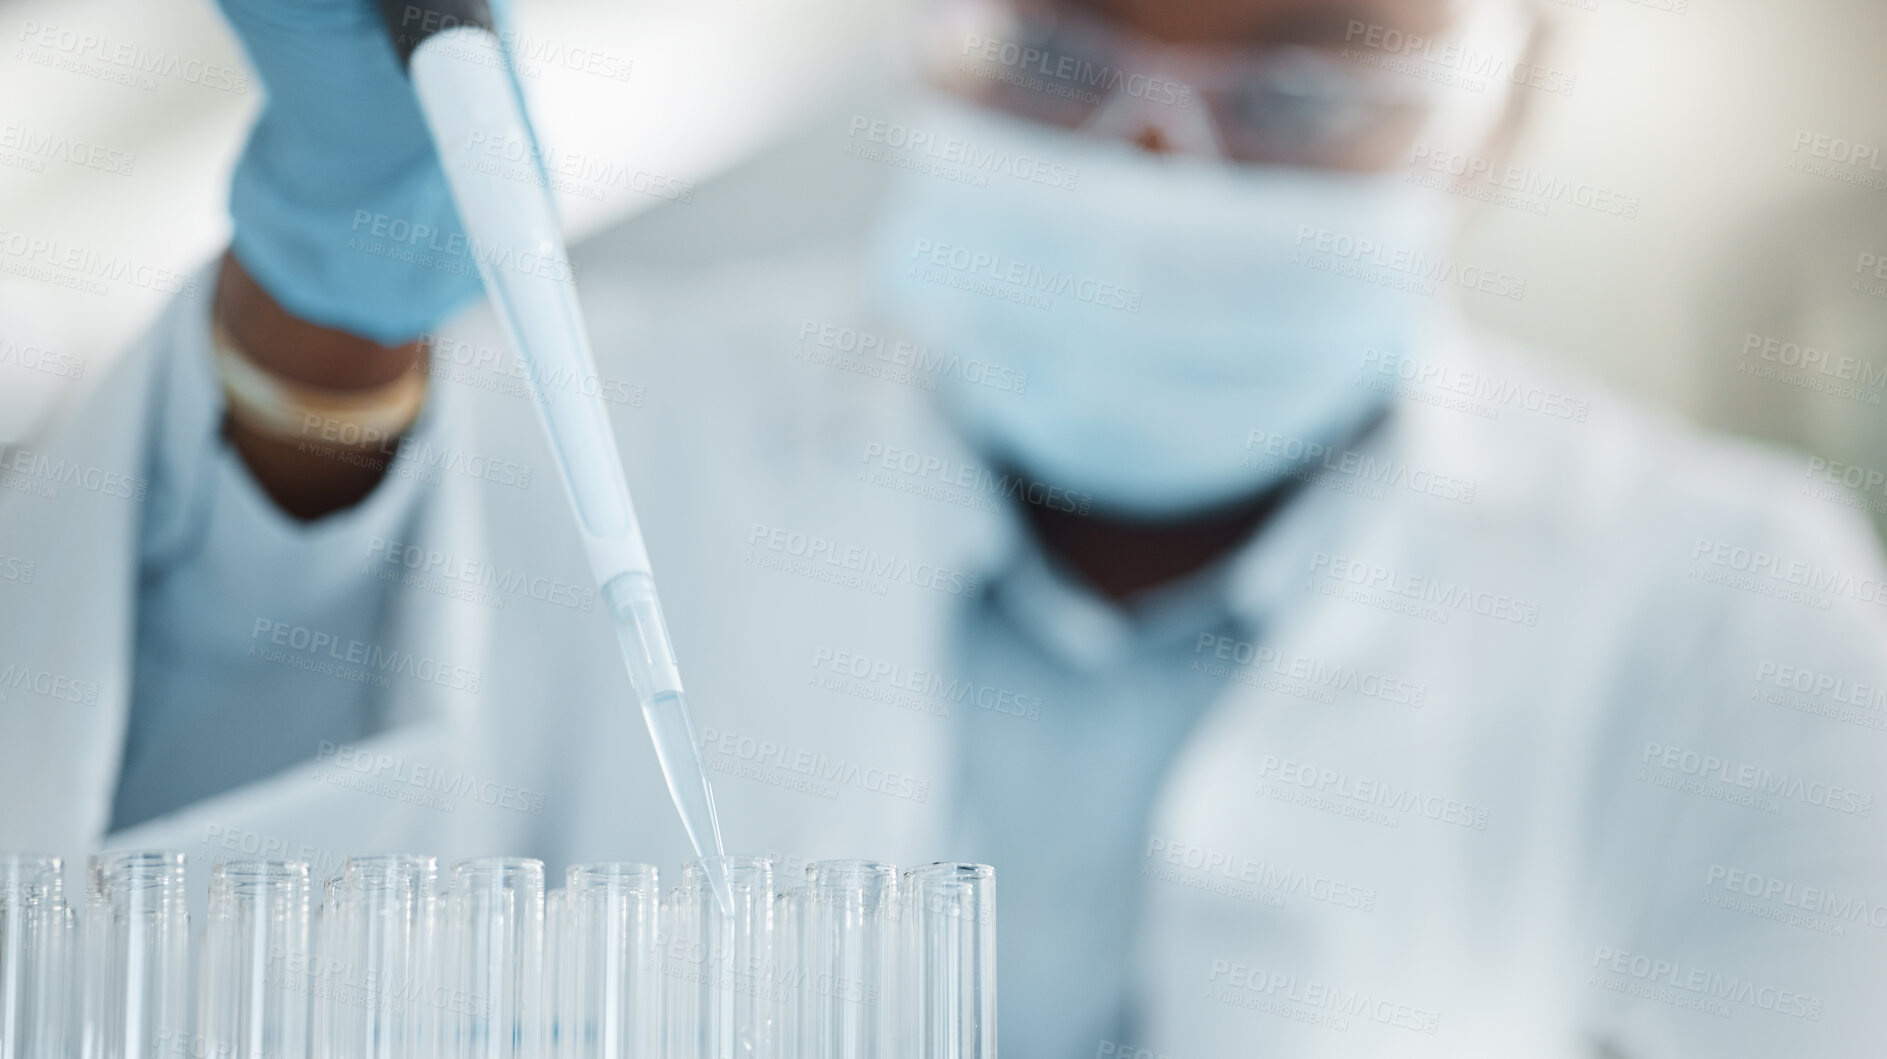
point(341, 209)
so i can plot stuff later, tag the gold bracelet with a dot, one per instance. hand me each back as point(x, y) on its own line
point(297, 412)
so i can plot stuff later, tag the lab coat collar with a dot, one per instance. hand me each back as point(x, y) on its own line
point(1258, 580)
point(1079, 627)
point(1328, 517)
point(1054, 606)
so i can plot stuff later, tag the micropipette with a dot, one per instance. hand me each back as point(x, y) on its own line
point(461, 74)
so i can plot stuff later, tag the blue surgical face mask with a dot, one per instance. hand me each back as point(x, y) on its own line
point(1178, 320)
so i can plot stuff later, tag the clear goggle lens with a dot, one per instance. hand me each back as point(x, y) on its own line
point(1341, 105)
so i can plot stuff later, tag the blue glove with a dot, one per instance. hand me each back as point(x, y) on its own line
point(340, 205)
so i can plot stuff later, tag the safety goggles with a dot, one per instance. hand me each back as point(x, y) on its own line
point(1354, 105)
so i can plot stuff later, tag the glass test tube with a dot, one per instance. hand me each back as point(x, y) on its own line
point(498, 903)
point(88, 992)
point(610, 992)
point(253, 1003)
point(672, 964)
point(789, 974)
point(430, 1019)
point(35, 954)
point(851, 952)
point(730, 957)
point(557, 974)
point(381, 951)
point(323, 939)
point(139, 986)
point(950, 962)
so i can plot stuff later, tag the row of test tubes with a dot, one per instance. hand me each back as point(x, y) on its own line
point(394, 959)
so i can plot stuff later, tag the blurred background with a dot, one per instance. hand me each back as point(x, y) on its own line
point(1699, 215)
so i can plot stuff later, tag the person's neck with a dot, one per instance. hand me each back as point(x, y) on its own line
point(1123, 558)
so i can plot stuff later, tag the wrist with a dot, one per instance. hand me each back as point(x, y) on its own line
point(297, 350)
point(315, 412)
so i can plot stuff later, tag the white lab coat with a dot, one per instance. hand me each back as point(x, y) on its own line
point(1479, 788)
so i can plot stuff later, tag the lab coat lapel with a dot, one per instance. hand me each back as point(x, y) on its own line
point(1269, 848)
point(69, 516)
point(398, 789)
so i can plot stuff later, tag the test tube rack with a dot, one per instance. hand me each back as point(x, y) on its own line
point(396, 959)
